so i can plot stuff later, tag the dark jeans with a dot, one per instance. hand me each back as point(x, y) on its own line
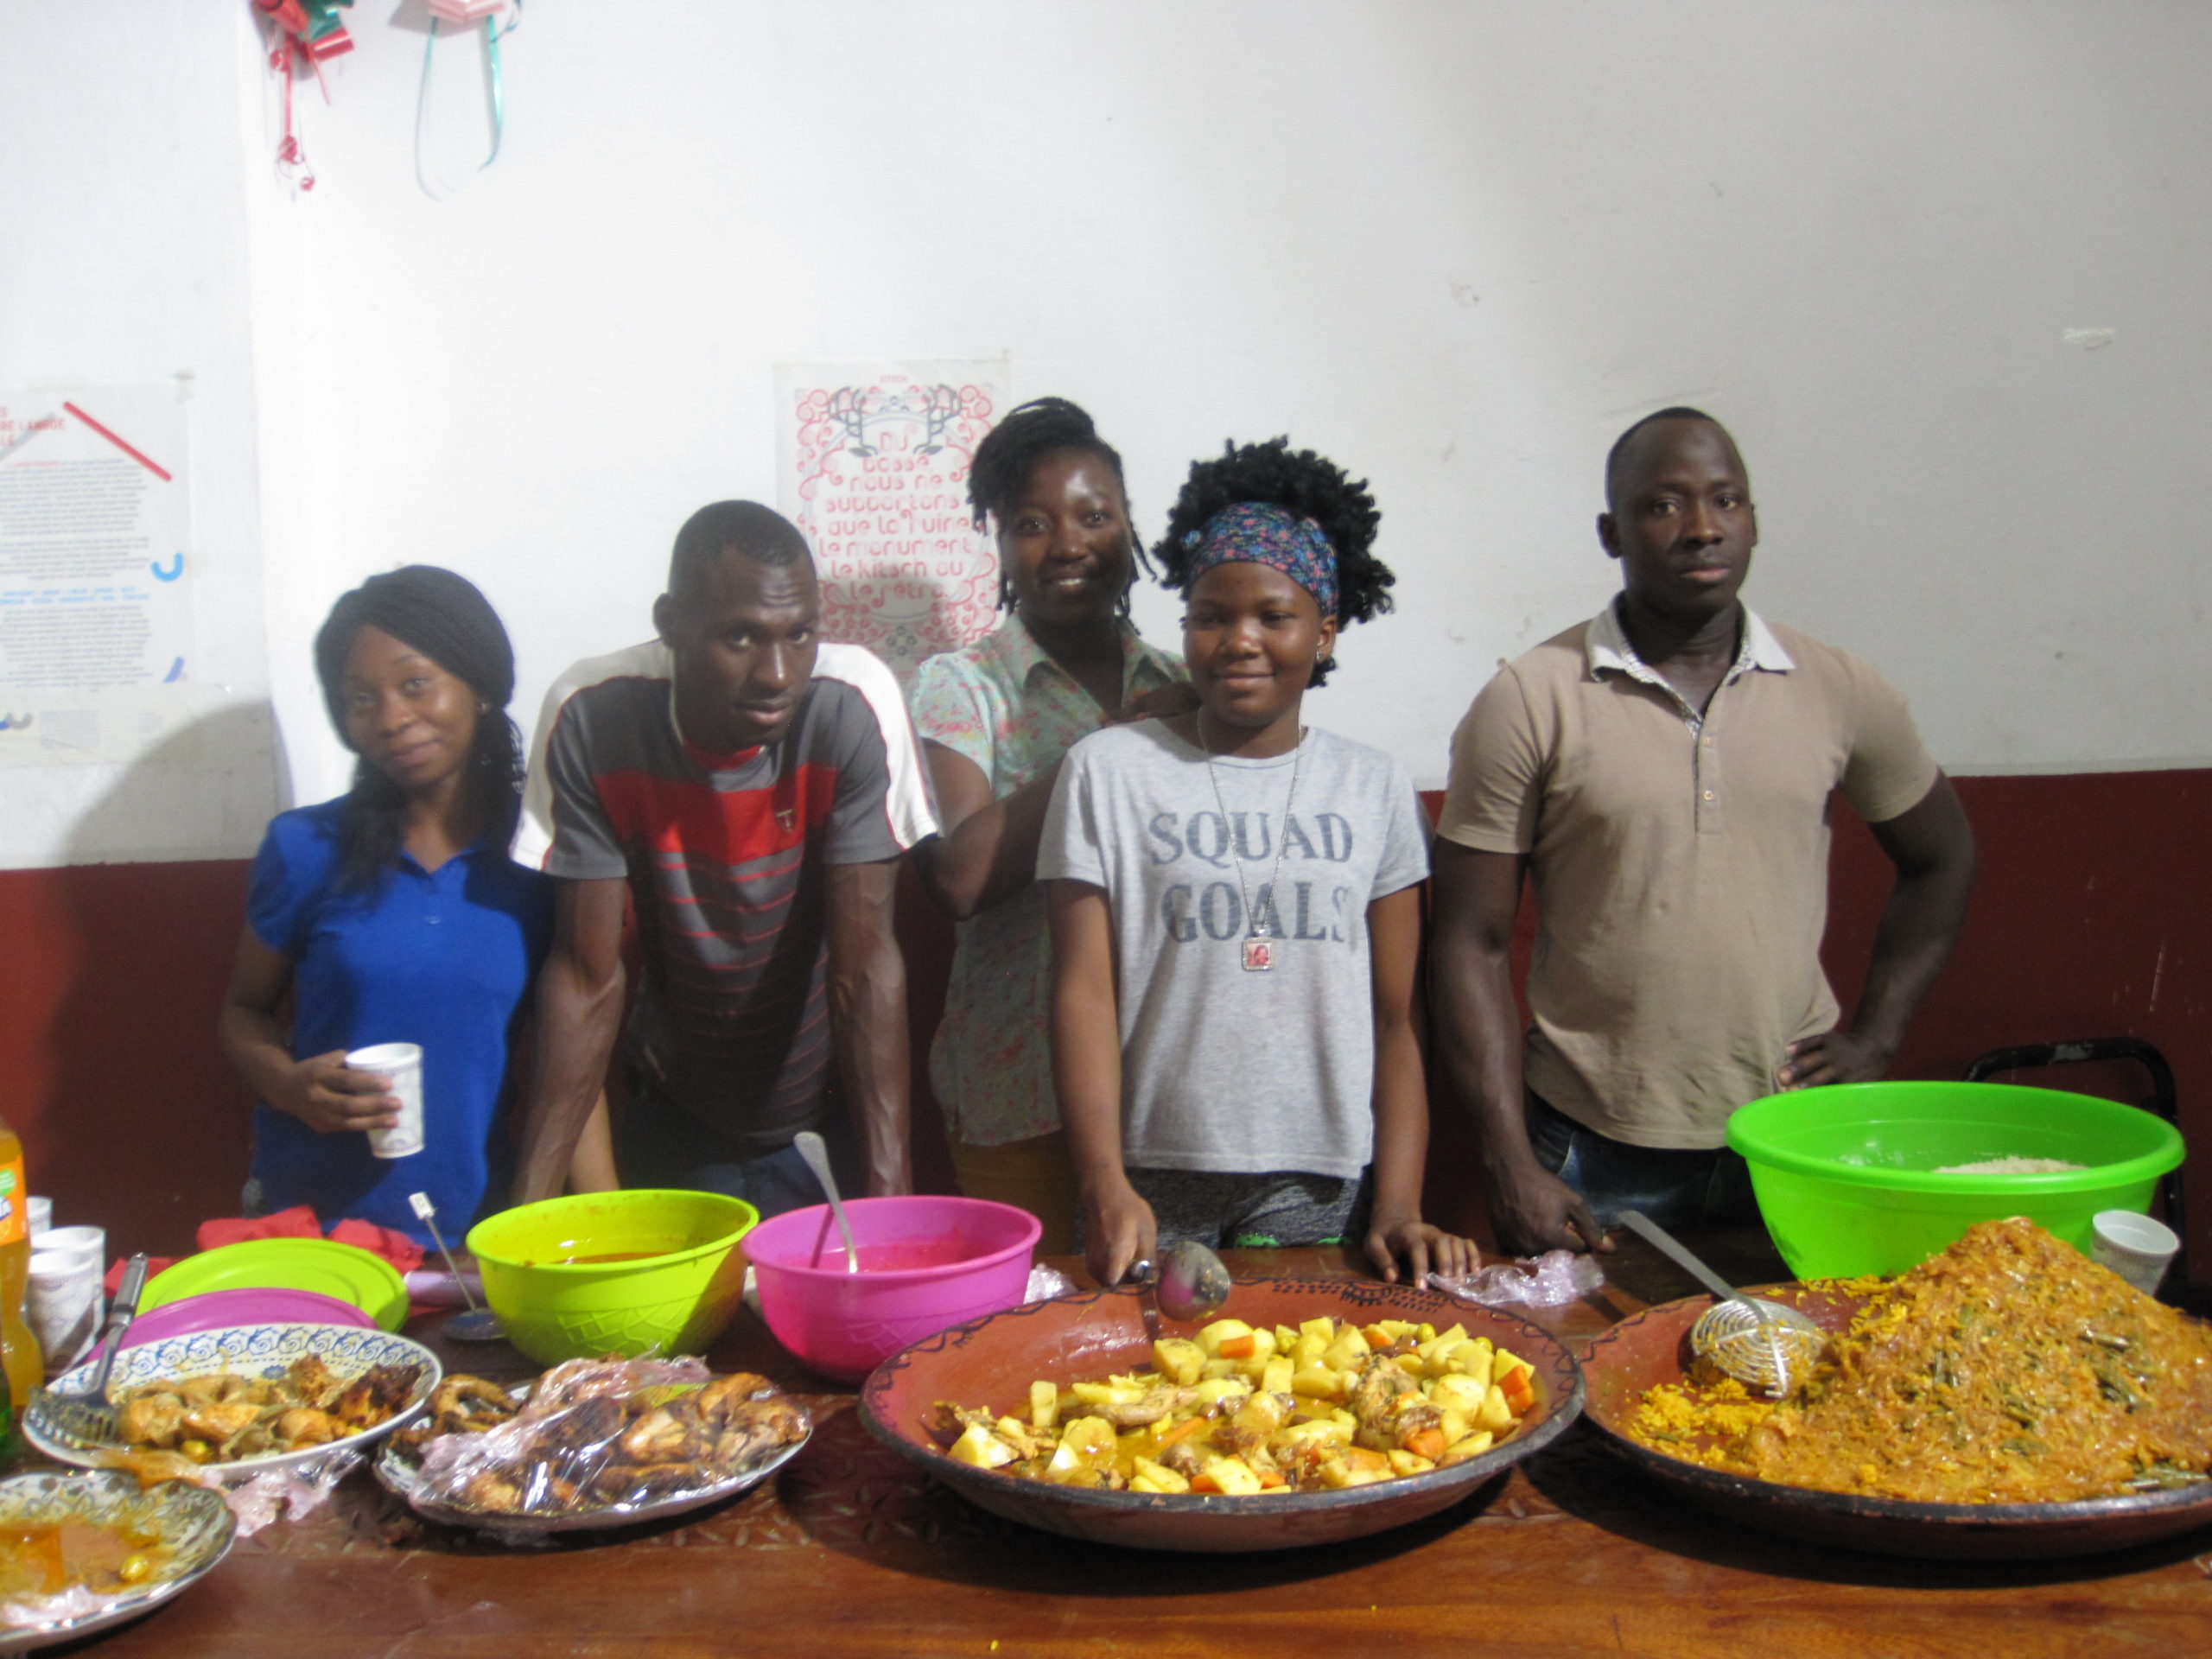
point(1674, 1186)
point(663, 1145)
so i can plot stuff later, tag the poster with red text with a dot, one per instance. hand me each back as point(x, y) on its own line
point(872, 464)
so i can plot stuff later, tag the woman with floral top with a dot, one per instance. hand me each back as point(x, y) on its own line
point(995, 718)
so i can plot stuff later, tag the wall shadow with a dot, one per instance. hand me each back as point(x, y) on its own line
point(131, 1118)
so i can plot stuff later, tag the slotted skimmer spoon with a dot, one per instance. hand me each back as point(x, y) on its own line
point(82, 1416)
point(1765, 1344)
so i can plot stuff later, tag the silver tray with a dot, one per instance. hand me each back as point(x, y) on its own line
point(394, 1474)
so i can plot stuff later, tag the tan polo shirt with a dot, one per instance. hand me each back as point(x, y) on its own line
point(1681, 865)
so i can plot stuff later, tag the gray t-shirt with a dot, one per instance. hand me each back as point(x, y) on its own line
point(1223, 1069)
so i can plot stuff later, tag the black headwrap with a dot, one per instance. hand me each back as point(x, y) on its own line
point(439, 613)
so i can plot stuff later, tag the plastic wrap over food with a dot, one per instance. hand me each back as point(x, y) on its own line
point(255, 1497)
point(600, 1435)
point(1045, 1283)
point(1545, 1280)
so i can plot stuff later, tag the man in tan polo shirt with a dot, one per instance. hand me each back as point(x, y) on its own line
point(1663, 773)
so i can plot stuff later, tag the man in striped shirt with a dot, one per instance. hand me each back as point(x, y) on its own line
point(753, 789)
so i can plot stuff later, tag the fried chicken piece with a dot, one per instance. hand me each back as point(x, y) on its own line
point(154, 1419)
point(374, 1396)
point(492, 1489)
point(199, 1392)
point(664, 1434)
point(765, 1425)
point(466, 1404)
point(310, 1379)
point(719, 1395)
point(303, 1426)
point(218, 1422)
point(152, 1467)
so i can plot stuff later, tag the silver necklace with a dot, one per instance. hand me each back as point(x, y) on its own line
point(1258, 937)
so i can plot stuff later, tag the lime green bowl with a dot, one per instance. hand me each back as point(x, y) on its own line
point(674, 1287)
point(1846, 1175)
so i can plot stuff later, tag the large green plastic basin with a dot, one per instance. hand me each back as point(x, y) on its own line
point(1845, 1180)
point(673, 1296)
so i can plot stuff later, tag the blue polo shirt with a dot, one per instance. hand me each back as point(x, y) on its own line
point(444, 958)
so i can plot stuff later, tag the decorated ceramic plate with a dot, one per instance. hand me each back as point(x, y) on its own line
point(990, 1362)
point(194, 1524)
point(255, 1351)
point(1653, 1347)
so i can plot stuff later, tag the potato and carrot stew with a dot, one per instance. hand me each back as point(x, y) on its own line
point(1241, 1411)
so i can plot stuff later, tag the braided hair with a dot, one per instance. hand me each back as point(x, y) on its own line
point(1299, 481)
point(446, 618)
point(1010, 452)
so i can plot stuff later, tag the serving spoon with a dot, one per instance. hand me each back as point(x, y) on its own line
point(1185, 1280)
point(812, 1148)
point(1756, 1341)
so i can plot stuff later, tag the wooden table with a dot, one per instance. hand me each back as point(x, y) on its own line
point(849, 1552)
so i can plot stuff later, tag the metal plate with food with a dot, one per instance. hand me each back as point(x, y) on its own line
point(249, 1398)
point(1987, 1370)
point(79, 1552)
point(591, 1444)
point(1098, 1340)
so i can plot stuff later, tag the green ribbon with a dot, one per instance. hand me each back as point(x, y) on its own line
point(493, 33)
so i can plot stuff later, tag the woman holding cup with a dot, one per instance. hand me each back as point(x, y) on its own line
point(405, 937)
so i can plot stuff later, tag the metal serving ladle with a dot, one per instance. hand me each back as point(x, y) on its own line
point(1185, 1280)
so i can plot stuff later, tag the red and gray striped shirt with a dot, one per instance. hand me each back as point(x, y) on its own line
point(725, 858)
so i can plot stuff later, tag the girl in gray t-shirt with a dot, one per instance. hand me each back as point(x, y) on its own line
point(1235, 911)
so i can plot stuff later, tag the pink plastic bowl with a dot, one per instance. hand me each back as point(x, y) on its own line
point(927, 1262)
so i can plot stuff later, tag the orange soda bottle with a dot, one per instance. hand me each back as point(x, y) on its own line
point(18, 1347)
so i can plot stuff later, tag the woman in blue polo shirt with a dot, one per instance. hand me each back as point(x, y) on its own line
point(393, 914)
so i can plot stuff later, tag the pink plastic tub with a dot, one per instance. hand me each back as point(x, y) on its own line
point(927, 1262)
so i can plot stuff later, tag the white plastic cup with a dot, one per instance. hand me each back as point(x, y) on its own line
point(2135, 1247)
point(403, 1063)
point(63, 1305)
point(38, 1214)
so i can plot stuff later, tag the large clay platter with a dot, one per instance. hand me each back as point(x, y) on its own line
point(1653, 1347)
point(990, 1362)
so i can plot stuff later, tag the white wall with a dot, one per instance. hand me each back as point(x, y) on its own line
point(1455, 245)
point(124, 184)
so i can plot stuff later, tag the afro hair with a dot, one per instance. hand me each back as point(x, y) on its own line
point(1302, 482)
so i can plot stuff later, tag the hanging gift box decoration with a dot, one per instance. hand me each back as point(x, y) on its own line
point(302, 31)
point(466, 11)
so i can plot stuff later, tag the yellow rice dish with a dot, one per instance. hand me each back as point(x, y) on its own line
point(2007, 1370)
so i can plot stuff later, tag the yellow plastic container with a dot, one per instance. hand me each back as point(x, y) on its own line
point(670, 1269)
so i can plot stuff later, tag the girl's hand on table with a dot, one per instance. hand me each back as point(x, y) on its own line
point(1118, 1230)
point(328, 1097)
point(1427, 1249)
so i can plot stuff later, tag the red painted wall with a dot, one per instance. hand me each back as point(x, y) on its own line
point(2091, 919)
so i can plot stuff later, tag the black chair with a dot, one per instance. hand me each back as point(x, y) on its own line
point(2162, 1101)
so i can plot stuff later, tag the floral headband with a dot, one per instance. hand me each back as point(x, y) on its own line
point(1259, 533)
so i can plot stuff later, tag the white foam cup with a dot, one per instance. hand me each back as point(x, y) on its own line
point(403, 1063)
point(63, 1304)
point(79, 1244)
point(38, 1214)
point(2135, 1247)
